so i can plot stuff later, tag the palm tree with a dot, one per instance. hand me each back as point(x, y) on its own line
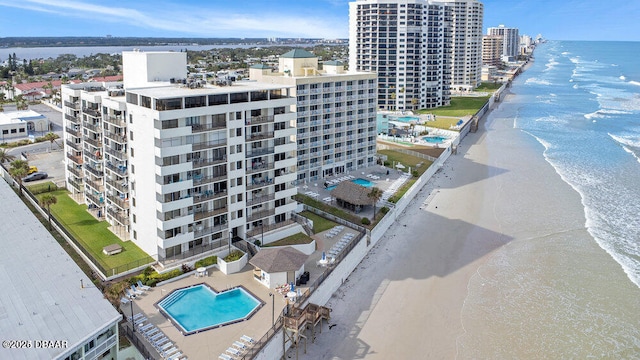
point(374, 194)
point(5, 156)
point(46, 201)
point(51, 137)
point(19, 169)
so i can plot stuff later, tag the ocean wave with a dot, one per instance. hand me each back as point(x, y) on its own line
point(626, 140)
point(604, 113)
point(622, 77)
point(632, 82)
point(551, 64)
point(537, 81)
point(565, 53)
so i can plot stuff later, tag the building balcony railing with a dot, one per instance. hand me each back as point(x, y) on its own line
point(209, 144)
point(258, 168)
point(116, 137)
point(199, 163)
point(91, 112)
point(72, 131)
point(119, 154)
point(209, 230)
point(258, 152)
point(94, 142)
point(119, 169)
point(208, 195)
point(77, 172)
point(119, 201)
point(199, 180)
point(257, 215)
point(119, 121)
point(73, 145)
point(95, 185)
point(71, 105)
point(94, 171)
point(262, 229)
point(209, 213)
point(97, 199)
point(118, 216)
point(121, 186)
point(92, 127)
point(256, 184)
point(97, 157)
point(71, 118)
point(76, 185)
point(255, 200)
point(259, 136)
point(75, 159)
point(259, 120)
point(196, 128)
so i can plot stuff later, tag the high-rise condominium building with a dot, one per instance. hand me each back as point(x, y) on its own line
point(492, 50)
point(510, 40)
point(420, 49)
point(178, 165)
point(336, 113)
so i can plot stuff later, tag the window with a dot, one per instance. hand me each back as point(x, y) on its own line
point(130, 135)
point(239, 213)
point(132, 98)
point(238, 164)
point(145, 101)
point(134, 218)
point(168, 104)
point(239, 132)
point(133, 201)
point(239, 197)
point(170, 124)
point(218, 99)
point(135, 235)
point(133, 169)
point(131, 152)
point(239, 97)
point(195, 101)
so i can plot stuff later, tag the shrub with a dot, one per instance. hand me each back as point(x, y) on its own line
point(235, 255)
point(386, 163)
point(365, 221)
point(257, 243)
point(43, 188)
point(165, 276)
point(415, 173)
point(206, 261)
point(384, 210)
point(148, 271)
point(186, 268)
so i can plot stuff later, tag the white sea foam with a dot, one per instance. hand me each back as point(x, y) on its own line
point(565, 53)
point(632, 82)
point(537, 81)
point(627, 140)
point(605, 113)
point(622, 77)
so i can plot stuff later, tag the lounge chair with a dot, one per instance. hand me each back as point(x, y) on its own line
point(171, 352)
point(129, 294)
point(136, 291)
point(239, 345)
point(234, 351)
point(247, 339)
point(124, 300)
point(144, 328)
point(175, 356)
point(151, 332)
point(225, 357)
point(142, 286)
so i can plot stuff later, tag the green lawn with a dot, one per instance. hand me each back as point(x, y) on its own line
point(460, 106)
point(490, 87)
point(406, 160)
point(93, 234)
point(294, 239)
point(320, 224)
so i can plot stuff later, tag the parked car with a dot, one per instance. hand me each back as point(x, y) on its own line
point(38, 175)
point(32, 169)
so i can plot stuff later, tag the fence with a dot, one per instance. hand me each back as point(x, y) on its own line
point(127, 330)
point(264, 340)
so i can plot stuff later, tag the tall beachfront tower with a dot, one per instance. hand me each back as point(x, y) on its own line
point(492, 50)
point(510, 40)
point(466, 43)
point(193, 164)
point(403, 41)
point(336, 113)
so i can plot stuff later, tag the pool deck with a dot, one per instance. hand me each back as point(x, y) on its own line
point(209, 344)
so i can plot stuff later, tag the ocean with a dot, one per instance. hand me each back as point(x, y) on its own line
point(572, 293)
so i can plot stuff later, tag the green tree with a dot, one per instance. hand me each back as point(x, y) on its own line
point(19, 169)
point(5, 156)
point(51, 137)
point(375, 194)
point(46, 201)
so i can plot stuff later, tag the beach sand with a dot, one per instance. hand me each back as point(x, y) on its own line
point(408, 298)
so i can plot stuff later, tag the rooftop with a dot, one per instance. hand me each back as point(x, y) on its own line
point(15, 117)
point(41, 296)
point(298, 54)
point(168, 90)
point(279, 259)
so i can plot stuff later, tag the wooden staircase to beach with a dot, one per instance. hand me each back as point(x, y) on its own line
point(298, 321)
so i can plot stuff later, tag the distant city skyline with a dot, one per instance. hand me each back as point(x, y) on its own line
point(558, 20)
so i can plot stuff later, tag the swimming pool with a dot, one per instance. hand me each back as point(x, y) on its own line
point(200, 308)
point(435, 139)
point(359, 181)
point(408, 118)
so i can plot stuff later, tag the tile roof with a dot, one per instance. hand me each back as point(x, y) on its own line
point(297, 54)
point(278, 259)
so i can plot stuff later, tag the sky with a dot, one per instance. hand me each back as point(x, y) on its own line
point(554, 19)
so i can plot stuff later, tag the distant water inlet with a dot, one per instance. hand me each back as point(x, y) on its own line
point(199, 308)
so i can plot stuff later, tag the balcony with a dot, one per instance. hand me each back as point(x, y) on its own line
point(258, 152)
point(77, 172)
point(95, 142)
point(199, 163)
point(72, 105)
point(260, 167)
point(75, 159)
point(209, 230)
point(119, 169)
point(74, 145)
point(92, 127)
point(95, 157)
point(94, 171)
point(91, 112)
point(258, 230)
point(119, 154)
point(116, 137)
point(259, 136)
point(260, 199)
point(71, 118)
point(95, 198)
point(259, 120)
point(121, 186)
point(119, 121)
point(120, 217)
point(208, 213)
point(208, 144)
point(73, 132)
point(199, 180)
point(75, 184)
point(208, 195)
point(197, 128)
point(96, 185)
point(119, 201)
point(257, 215)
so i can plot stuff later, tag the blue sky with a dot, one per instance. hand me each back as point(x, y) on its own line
point(554, 19)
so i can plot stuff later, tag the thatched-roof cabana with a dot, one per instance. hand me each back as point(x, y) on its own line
point(352, 196)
